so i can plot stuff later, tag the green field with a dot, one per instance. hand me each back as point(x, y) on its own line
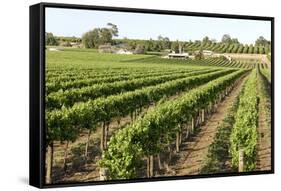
point(129, 115)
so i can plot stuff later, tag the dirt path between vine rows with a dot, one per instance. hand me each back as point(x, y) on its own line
point(264, 133)
point(194, 150)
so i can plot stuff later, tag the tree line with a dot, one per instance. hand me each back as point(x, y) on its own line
point(108, 36)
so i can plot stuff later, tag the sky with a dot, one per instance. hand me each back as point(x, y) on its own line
point(75, 22)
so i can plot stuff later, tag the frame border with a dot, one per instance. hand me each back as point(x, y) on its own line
point(37, 93)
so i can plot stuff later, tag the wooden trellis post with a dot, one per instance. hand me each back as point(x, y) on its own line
point(102, 136)
point(187, 131)
point(50, 156)
point(149, 166)
point(65, 156)
point(192, 125)
point(178, 142)
point(104, 173)
point(241, 160)
point(203, 115)
point(87, 144)
point(160, 166)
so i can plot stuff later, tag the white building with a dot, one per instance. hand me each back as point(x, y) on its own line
point(181, 54)
point(207, 52)
point(123, 51)
point(55, 49)
point(178, 55)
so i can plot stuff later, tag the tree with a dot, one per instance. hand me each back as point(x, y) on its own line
point(226, 39)
point(113, 28)
point(105, 36)
point(66, 44)
point(164, 42)
point(91, 39)
point(139, 49)
point(156, 45)
point(199, 55)
point(99, 36)
point(50, 39)
point(149, 45)
point(261, 41)
point(206, 40)
point(175, 46)
point(235, 41)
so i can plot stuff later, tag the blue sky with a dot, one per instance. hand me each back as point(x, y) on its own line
point(74, 22)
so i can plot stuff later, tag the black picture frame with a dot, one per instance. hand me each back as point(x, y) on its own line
point(37, 91)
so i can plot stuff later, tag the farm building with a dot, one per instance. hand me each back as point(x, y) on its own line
point(178, 55)
point(76, 45)
point(117, 49)
point(106, 48)
point(55, 49)
point(181, 54)
point(123, 51)
point(207, 52)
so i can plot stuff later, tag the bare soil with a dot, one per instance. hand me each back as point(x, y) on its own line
point(264, 128)
point(194, 150)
